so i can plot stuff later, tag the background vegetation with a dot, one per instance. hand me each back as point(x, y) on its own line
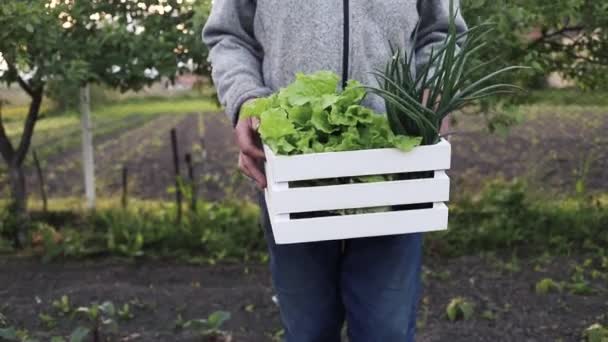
point(525, 255)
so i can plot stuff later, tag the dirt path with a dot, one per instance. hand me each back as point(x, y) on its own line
point(159, 291)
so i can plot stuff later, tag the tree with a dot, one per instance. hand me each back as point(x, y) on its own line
point(125, 44)
point(568, 36)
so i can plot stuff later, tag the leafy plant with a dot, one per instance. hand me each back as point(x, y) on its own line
point(310, 115)
point(8, 333)
point(596, 333)
point(507, 215)
point(3, 319)
point(62, 305)
point(75, 43)
point(99, 316)
point(579, 285)
point(546, 285)
point(208, 327)
point(47, 320)
point(19, 335)
point(79, 334)
point(459, 308)
point(449, 77)
point(125, 312)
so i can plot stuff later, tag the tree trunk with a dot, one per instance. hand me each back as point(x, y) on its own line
point(14, 158)
point(18, 205)
point(88, 164)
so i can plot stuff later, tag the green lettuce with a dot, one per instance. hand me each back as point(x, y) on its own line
point(312, 115)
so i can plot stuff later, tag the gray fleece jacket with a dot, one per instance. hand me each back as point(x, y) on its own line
point(257, 46)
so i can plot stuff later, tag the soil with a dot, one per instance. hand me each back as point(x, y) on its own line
point(145, 150)
point(159, 291)
point(550, 151)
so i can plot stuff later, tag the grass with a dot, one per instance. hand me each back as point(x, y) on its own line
point(561, 103)
point(566, 97)
point(57, 131)
point(14, 116)
point(180, 105)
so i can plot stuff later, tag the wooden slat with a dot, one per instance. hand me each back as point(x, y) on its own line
point(357, 163)
point(362, 195)
point(288, 231)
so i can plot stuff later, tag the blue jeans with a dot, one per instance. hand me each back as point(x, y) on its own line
point(372, 283)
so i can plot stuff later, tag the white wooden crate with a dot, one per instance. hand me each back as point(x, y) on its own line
point(283, 200)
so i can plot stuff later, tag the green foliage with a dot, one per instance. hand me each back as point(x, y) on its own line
point(100, 317)
point(506, 216)
point(215, 231)
point(79, 334)
point(310, 115)
point(12, 334)
point(116, 43)
point(210, 326)
point(567, 36)
point(48, 321)
point(125, 312)
point(502, 216)
point(459, 308)
point(596, 333)
point(62, 305)
point(546, 285)
point(578, 284)
point(566, 97)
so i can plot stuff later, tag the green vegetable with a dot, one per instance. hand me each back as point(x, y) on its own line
point(311, 115)
point(459, 308)
point(546, 285)
point(449, 76)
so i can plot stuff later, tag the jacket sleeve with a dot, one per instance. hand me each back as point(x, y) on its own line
point(234, 53)
point(433, 27)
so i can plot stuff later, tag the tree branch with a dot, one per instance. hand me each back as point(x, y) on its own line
point(572, 54)
point(24, 85)
point(28, 127)
point(546, 36)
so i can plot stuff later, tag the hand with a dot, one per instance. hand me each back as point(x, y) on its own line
point(251, 156)
point(445, 124)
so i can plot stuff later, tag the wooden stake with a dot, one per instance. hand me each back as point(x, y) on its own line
point(40, 181)
point(191, 181)
point(125, 186)
point(178, 192)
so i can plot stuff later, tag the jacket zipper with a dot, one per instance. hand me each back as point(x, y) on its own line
point(345, 44)
point(345, 48)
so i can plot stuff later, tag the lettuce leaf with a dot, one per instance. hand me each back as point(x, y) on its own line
point(313, 115)
point(275, 125)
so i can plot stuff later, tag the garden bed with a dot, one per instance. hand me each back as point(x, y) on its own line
point(507, 307)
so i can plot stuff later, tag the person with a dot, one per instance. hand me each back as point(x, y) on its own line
point(257, 47)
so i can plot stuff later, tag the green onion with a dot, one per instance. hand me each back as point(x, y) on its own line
point(449, 77)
